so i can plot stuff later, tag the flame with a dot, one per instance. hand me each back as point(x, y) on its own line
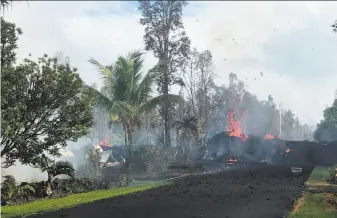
point(269, 136)
point(105, 142)
point(234, 128)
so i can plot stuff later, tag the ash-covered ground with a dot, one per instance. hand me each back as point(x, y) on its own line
point(259, 191)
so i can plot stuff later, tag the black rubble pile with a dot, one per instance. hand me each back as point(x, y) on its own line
point(273, 151)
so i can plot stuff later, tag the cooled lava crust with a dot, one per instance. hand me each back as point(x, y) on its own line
point(257, 191)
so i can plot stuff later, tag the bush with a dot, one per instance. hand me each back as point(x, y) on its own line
point(332, 174)
point(10, 192)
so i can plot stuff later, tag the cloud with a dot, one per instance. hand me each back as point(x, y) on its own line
point(275, 38)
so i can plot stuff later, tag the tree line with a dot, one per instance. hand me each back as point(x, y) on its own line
point(327, 128)
point(45, 104)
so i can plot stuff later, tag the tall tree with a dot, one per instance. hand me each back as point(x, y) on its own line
point(166, 37)
point(198, 78)
point(9, 37)
point(128, 94)
point(43, 104)
point(327, 128)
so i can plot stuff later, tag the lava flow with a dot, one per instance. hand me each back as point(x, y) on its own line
point(105, 142)
point(269, 136)
point(234, 128)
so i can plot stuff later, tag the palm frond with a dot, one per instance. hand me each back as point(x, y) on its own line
point(137, 59)
point(145, 87)
point(63, 167)
point(159, 100)
point(101, 100)
point(125, 109)
point(9, 179)
point(24, 191)
point(105, 71)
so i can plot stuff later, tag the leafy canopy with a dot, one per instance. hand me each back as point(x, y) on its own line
point(327, 128)
point(43, 105)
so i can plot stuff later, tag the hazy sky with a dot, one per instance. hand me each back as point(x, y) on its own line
point(290, 42)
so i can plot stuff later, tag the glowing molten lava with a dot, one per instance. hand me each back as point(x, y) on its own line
point(269, 136)
point(231, 160)
point(234, 128)
point(105, 142)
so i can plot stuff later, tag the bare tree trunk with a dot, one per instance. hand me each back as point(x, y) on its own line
point(129, 150)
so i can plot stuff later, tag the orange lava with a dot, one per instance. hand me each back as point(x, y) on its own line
point(105, 142)
point(234, 128)
point(269, 136)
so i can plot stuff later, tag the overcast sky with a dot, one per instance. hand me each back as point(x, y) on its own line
point(292, 43)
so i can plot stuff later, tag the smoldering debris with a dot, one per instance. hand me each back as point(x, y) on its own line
point(223, 146)
point(272, 150)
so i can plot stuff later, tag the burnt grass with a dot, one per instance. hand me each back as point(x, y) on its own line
point(254, 192)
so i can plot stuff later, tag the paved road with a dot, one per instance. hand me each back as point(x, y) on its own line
point(259, 192)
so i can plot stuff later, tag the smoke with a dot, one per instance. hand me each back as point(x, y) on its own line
point(73, 153)
point(23, 173)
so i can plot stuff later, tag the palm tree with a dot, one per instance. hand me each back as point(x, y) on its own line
point(9, 190)
point(127, 95)
point(189, 130)
point(54, 169)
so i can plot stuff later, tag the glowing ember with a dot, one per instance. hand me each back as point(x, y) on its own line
point(234, 128)
point(231, 160)
point(105, 142)
point(269, 136)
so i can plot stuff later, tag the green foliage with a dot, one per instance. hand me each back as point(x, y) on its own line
point(127, 95)
point(9, 190)
point(46, 99)
point(327, 128)
point(43, 104)
point(56, 168)
point(24, 191)
point(8, 187)
point(166, 37)
point(9, 37)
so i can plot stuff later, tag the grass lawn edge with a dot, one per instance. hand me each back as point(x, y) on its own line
point(311, 205)
point(73, 200)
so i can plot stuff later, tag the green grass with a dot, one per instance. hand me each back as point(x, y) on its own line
point(320, 175)
point(71, 200)
point(313, 207)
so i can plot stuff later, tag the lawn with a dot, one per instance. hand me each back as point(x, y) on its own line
point(320, 175)
point(315, 206)
point(320, 205)
point(71, 200)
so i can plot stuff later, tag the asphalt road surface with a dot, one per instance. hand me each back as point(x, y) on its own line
point(258, 192)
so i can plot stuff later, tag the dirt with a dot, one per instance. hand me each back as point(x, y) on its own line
point(259, 192)
point(299, 203)
point(330, 202)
